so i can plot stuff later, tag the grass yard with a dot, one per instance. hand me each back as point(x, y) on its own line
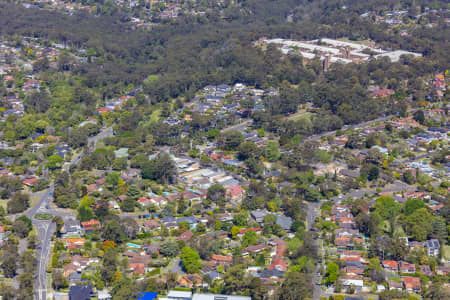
point(301, 114)
point(3, 203)
point(446, 252)
point(155, 115)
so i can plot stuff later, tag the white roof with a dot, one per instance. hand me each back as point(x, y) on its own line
point(218, 297)
point(354, 282)
point(179, 294)
point(334, 59)
point(307, 55)
point(303, 45)
point(394, 56)
point(337, 43)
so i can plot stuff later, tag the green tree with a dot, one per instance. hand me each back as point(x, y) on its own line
point(133, 191)
point(271, 153)
point(19, 202)
point(234, 232)
point(408, 177)
point(113, 231)
point(440, 228)
point(161, 169)
point(419, 225)
point(54, 162)
point(419, 116)
point(296, 286)
point(231, 140)
point(373, 173)
point(112, 180)
point(250, 238)
point(129, 204)
point(332, 273)
point(411, 205)
point(247, 150)
point(216, 193)
point(386, 207)
point(191, 260)
point(20, 228)
point(169, 249)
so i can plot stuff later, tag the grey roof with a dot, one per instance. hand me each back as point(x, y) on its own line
point(272, 273)
point(284, 222)
point(259, 214)
point(80, 292)
point(190, 220)
point(433, 244)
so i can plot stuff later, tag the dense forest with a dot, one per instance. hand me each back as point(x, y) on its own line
point(194, 51)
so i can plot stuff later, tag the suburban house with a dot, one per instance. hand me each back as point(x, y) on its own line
point(411, 284)
point(433, 247)
point(91, 225)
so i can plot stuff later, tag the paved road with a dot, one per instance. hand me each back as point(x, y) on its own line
point(176, 267)
point(311, 214)
point(46, 228)
point(356, 126)
point(239, 127)
point(398, 187)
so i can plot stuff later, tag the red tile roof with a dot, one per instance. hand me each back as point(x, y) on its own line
point(221, 258)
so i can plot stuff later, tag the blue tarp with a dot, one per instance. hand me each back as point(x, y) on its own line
point(147, 295)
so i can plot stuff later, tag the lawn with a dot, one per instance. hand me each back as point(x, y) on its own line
point(155, 115)
point(3, 203)
point(446, 252)
point(301, 114)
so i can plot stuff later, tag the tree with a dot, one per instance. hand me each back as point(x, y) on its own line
point(419, 225)
point(234, 279)
point(411, 205)
point(408, 177)
point(250, 238)
point(19, 202)
point(133, 191)
point(20, 228)
point(128, 204)
point(271, 153)
point(113, 231)
point(112, 180)
point(38, 102)
point(58, 280)
point(9, 265)
point(161, 169)
point(247, 150)
point(169, 249)
point(332, 273)
point(191, 260)
point(269, 224)
point(109, 266)
point(386, 207)
point(231, 140)
point(59, 224)
point(296, 286)
point(419, 116)
point(234, 232)
point(439, 228)
point(85, 212)
point(119, 164)
point(181, 205)
point(437, 291)
point(254, 166)
point(54, 162)
point(216, 193)
point(373, 173)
